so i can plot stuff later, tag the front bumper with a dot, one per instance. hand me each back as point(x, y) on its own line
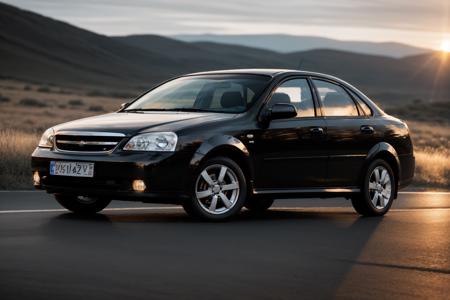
point(407, 168)
point(166, 175)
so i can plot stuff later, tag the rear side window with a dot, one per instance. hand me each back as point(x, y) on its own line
point(365, 108)
point(297, 93)
point(336, 102)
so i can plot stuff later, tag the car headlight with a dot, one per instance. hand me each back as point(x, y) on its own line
point(47, 139)
point(155, 141)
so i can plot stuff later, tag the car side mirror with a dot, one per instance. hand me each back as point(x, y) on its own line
point(124, 105)
point(282, 111)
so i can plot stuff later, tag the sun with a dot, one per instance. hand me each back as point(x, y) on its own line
point(445, 46)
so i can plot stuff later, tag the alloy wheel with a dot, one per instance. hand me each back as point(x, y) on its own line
point(380, 187)
point(217, 189)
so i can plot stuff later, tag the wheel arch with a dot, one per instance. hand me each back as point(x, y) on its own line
point(388, 153)
point(227, 146)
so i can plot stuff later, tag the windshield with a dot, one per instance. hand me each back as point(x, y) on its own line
point(214, 93)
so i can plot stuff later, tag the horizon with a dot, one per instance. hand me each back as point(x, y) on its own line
point(421, 25)
point(290, 35)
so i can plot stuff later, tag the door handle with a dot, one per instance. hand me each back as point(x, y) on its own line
point(316, 130)
point(367, 129)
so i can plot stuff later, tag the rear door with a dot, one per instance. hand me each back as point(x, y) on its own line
point(351, 133)
point(291, 153)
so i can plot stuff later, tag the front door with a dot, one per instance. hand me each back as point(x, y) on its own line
point(291, 153)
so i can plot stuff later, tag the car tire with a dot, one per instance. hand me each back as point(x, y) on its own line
point(258, 204)
point(219, 190)
point(82, 205)
point(378, 190)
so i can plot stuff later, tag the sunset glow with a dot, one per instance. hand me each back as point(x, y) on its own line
point(445, 46)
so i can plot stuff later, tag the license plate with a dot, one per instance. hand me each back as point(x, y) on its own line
point(71, 168)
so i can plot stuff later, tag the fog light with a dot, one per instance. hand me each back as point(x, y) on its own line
point(139, 185)
point(36, 178)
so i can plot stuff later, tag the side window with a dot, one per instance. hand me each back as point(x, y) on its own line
point(335, 100)
point(365, 108)
point(297, 93)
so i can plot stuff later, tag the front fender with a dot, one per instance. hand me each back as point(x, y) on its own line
point(224, 145)
point(216, 143)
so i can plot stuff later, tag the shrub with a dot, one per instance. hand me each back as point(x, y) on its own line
point(32, 102)
point(122, 95)
point(62, 91)
point(49, 113)
point(3, 99)
point(96, 108)
point(95, 93)
point(76, 102)
point(44, 89)
point(27, 88)
point(113, 94)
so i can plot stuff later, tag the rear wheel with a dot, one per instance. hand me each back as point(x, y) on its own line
point(82, 205)
point(219, 190)
point(378, 190)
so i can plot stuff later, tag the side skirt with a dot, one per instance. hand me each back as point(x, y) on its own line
point(308, 192)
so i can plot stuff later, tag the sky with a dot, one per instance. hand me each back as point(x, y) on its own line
point(417, 22)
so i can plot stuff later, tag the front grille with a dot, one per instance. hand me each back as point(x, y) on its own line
point(87, 141)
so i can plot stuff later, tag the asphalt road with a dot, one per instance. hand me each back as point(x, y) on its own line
point(299, 249)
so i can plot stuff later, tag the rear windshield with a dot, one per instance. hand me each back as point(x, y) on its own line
point(214, 93)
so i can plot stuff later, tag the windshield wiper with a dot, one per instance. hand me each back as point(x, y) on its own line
point(143, 109)
point(168, 109)
point(191, 109)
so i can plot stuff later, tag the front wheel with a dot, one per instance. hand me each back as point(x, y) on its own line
point(219, 190)
point(378, 190)
point(82, 205)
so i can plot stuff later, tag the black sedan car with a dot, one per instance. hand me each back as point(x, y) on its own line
point(217, 141)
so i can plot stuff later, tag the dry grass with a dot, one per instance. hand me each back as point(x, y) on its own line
point(428, 136)
point(15, 150)
point(432, 168)
point(432, 151)
point(24, 112)
point(22, 123)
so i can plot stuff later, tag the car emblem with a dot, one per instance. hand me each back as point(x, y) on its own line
point(82, 143)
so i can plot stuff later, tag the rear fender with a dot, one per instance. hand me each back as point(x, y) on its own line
point(387, 152)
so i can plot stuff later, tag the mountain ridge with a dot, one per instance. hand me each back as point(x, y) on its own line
point(285, 43)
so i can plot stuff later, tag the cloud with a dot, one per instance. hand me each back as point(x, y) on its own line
point(115, 17)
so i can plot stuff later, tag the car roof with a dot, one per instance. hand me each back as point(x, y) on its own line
point(266, 72)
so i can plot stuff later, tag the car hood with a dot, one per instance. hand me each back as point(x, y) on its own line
point(131, 123)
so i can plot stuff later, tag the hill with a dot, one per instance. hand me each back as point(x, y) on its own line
point(285, 43)
point(389, 80)
point(37, 48)
point(205, 55)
